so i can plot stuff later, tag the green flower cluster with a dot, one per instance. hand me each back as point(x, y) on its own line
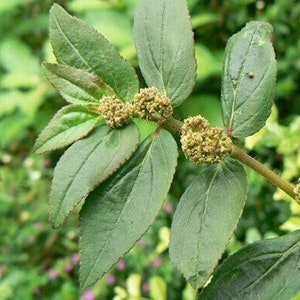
point(297, 191)
point(149, 104)
point(115, 112)
point(202, 143)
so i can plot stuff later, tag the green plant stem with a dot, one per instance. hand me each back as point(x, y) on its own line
point(263, 170)
point(174, 124)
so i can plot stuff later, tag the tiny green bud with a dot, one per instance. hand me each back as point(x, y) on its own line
point(203, 144)
point(149, 104)
point(115, 112)
point(297, 191)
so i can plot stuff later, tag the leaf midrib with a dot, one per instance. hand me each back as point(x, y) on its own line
point(269, 270)
point(72, 46)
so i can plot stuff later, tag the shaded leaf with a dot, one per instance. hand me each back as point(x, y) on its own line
point(86, 164)
point(81, 46)
point(165, 47)
point(118, 212)
point(68, 125)
point(266, 269)
point(248, 81)
point(75, 85)
point(205, 218)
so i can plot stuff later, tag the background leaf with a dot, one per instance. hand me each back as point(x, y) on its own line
point(165, 47)
point(247, 100)
point(205, 218)
point(75, 85)
point(80, 45)
point(86, 164)
point(68, 125)
point(118, 212)
point(266, 269)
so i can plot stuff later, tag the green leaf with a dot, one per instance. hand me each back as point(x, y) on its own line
point(68, 125)
point(81, 46)
point(165, 47)
point(205, 218)
point(75, 85)
point(248, 81)
point(86, 164)
point(266, 269)
point(118, 212)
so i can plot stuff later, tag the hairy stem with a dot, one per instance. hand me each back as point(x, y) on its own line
point(174, 124)
point(263, 170)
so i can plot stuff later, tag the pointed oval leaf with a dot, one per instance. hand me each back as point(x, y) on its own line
point(68, 125)
point(80, 45)
point(248, 81)
point(86, 164)
point(165, 47)
point(205, 219)
point(266, 269)
point(76, 86)
point(118, 212)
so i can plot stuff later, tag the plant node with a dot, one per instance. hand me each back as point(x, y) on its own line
point(149, 104)
point(115, 112)
point(202, 143)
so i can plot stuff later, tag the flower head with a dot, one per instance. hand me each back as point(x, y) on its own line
point(115, 112)
point(149, 104)
point(202, 143)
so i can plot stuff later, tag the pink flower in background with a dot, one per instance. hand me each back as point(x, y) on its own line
point(156, 262)
point(52, 274)
point(111, 279)
point(88, 295)
point(76, 258)
point(145, 287)
point(37, 291)
point(39, 226)
point(121, 265)
point(68, 268)
point(142, 242)
point(168, 207)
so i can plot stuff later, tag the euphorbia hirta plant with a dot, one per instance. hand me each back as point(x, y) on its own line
point(122, 181)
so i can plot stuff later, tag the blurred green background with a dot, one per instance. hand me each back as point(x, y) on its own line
point(37, 262)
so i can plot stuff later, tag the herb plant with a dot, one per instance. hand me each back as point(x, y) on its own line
point(121, 179)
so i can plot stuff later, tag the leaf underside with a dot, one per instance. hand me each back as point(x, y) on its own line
point(118, 212)
point(76, 86)
point(205, 218)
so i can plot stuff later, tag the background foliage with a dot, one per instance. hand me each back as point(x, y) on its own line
point(36, 261)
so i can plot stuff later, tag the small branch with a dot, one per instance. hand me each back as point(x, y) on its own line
point(174, 124)
point(263, 170)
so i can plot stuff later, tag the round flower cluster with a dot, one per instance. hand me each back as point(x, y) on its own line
point(149, 104)
point(115, 112)
point(203, 144)
point(297, 191)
